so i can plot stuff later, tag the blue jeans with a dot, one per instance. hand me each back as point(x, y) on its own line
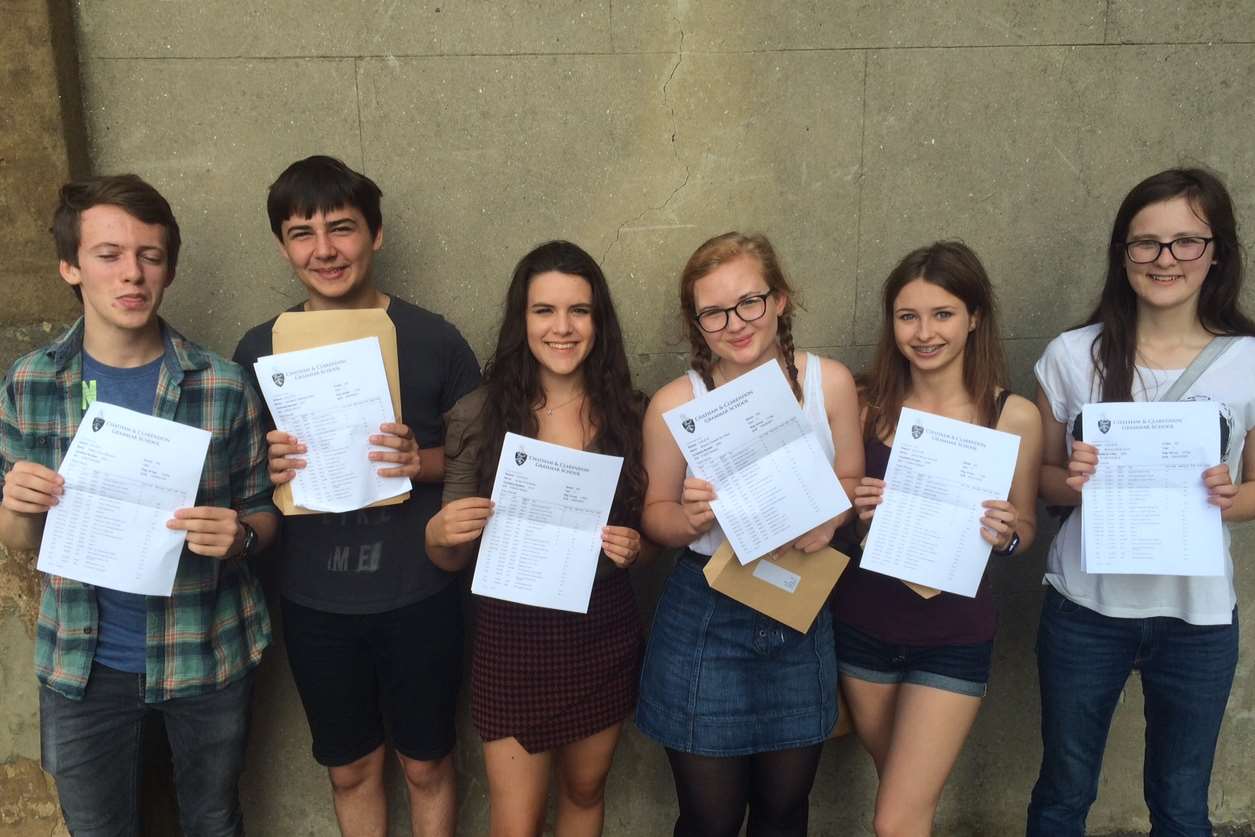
point(1084, 660)
point(92, 748)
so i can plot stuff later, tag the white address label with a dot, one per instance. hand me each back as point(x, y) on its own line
point(776, 575)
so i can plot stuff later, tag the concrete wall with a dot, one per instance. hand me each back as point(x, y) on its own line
point(850, 132)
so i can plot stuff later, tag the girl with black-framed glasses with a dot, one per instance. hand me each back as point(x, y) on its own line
point(1173, 285)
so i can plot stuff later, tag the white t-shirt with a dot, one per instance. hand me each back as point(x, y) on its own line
point(1067, 377)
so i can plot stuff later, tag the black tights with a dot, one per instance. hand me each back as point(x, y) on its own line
point(714, 792)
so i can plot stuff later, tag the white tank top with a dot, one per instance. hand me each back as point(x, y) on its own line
point(814, 410)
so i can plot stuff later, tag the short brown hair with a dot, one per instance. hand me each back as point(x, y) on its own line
point(128, 192)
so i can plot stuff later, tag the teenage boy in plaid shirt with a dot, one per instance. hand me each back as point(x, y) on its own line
point(106, 658)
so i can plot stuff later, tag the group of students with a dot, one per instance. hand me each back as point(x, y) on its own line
point(742, 704)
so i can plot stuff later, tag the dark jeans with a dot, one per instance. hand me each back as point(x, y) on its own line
point(1083, 660)
point(92, 748)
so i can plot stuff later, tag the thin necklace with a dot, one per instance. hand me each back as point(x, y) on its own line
point(549, 410)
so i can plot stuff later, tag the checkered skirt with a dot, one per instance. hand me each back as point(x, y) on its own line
point(549, 677)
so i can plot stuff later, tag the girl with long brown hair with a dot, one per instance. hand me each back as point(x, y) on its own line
point(550, 689)
point(742, 703)
point(914, 668)
point(1172, 290)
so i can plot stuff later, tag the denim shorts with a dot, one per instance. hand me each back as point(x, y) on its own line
point(720, 679)
point(963, 669)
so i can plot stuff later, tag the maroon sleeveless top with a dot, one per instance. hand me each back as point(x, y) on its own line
point(887, 609)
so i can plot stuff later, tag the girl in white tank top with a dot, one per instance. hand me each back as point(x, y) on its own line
point(728, 691)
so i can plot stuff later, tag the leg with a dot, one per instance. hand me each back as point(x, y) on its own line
point(91, 747)
point(780, 791)
point(432, 787)
point(1186, 679)
point(336, 678)
point(417, 654)
point(872, 707)
point(713, 793)
point(929, 728)
point(208, 736)
point(582, 770)
point(518, 782)
point(357, 790)
point(1083, 662)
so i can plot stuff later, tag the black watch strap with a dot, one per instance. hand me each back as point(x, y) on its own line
point(250, 541)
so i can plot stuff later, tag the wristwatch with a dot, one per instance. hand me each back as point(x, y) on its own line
point(250, 540)
point(1011, 547)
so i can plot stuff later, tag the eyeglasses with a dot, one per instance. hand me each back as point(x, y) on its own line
point(1188, 249)
point(748, 309)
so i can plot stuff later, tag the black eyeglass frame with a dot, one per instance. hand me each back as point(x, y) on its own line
point(729, 311)
point(1170, 246)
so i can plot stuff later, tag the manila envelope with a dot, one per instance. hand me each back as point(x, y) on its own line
point(295, 330)
point(919, 589)
point(787, 585)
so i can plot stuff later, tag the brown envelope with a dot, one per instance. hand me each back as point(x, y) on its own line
point(764, 586)
point(920, 590)
point(295, 330)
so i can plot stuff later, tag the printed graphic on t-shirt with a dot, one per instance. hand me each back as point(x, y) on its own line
point(357, 557)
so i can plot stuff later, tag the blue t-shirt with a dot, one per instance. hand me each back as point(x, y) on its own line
point(123, 630)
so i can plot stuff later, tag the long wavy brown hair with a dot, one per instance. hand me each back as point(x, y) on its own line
point(1219, 310)
point(719, 251)
point(512, 379)
point(955, 268)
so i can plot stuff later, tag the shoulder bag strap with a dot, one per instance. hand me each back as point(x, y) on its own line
point(1199, 365)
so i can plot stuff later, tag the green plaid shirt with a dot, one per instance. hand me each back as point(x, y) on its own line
point(213, 628)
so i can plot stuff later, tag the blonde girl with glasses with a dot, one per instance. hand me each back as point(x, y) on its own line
point(742, 703)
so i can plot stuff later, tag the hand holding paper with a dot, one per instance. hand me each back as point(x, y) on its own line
point(541, 542)
point(125, 474)
point(333, 401)
point(211, 530)
point(1146, 508)
point(929, 513)
point(749, 440)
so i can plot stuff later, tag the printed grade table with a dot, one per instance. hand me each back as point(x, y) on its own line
point(541, 545)
point(750, 440)
point(1145, 509)
point(927, 528)
point(750, 476)
point(125, 475)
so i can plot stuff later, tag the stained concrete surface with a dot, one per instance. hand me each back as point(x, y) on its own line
point(849, 132)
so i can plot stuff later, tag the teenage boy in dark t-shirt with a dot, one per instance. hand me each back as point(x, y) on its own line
point(373, 628)
point(106, 658)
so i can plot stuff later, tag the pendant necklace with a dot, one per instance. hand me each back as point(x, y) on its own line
point(550, 410)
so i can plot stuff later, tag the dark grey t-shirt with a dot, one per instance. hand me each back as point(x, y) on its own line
point(374, 560)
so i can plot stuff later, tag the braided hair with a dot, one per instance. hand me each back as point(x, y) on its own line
point(705, 260)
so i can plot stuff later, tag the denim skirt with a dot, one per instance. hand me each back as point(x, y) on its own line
point(720, 679)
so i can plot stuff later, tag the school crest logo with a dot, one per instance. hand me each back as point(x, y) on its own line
point(689, 425)
point(97, 423)
point(916, 431)
point(519, 457)
point(1104, 425)
point(277, 378)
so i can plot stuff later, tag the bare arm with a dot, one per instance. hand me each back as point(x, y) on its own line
point(1018, 514)
point(677, 510)
point(1052, 480)
point(841, 399)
